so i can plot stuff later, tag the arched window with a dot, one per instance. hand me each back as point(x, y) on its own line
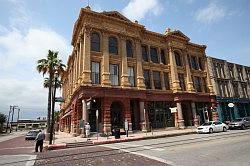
point(113, 45)
point(129, 48)
point(95, 42)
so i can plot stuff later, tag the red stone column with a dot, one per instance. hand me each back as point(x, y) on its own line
point(127, 112)
point(106, 116)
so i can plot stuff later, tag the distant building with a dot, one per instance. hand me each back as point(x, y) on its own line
point(133, 74)
point(231, 83)
point(30, 124)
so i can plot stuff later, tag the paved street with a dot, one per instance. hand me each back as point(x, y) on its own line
point(13, 148)
point(229, 149)
point(94, 156)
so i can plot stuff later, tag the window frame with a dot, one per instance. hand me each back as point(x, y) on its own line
point(129, 48)
point(113, 75)
point(131, 76)
point(113, 44)
point(96, 43)
point(93, 81)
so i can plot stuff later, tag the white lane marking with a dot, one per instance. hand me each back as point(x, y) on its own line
point(17, 148)
point(141, 154)
point(32, 162)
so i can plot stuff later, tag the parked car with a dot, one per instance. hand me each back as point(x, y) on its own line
point(240, 123)
point(210, 127)
point(31, 135)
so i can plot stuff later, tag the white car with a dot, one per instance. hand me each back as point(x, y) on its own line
point(210, 127)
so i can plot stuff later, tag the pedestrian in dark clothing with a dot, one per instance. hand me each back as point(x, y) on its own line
point(39, 141)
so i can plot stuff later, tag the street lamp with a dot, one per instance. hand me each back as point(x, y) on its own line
point(13, 109)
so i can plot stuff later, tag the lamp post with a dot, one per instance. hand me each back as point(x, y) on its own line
point(8, 119)
point(17, 118)
point(53, 109)
point(13, 109)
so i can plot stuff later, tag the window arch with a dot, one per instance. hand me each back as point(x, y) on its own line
point(113, 45)
point(129, 48)
point(178, 59)
point(95, 42)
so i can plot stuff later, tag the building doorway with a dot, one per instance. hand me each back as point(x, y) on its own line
point(117, 118)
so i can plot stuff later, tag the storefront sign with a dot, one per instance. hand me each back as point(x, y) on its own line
point(173, 110)
point(230, 105)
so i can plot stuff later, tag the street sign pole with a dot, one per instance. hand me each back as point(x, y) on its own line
point(97, 126)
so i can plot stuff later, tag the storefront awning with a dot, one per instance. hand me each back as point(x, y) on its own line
point(67, 114)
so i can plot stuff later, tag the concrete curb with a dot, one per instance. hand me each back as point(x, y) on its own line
point(129, 139)
point(55, 147)
point(95, 142)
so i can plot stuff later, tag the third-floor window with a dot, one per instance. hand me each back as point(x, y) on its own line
point(194, 63)
point(144, 50)
point(129, 48)
point(197, 84)
point(178, 58)
point(95, 42)
point(154, 55)
point(113, 45)
point(163, 57)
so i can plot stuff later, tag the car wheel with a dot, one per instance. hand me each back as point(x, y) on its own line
point(210, 130)
point(224, 129)
point(243, 127)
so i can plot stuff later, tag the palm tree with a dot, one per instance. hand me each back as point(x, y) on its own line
point(49, 66)
point(2, 121)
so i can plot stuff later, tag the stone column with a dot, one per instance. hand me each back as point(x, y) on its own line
point(180, 115)
point(163, 86)
point(151, 75)
point(142, 117)
point(105, 61)
point(85, 115)
point(194, 114)
point(190, 86)
point(106, 117)
point(124, 76)
point(80, 65)
point(209, 82)
point(139, 70)
point(86, 79)
point(174, 72)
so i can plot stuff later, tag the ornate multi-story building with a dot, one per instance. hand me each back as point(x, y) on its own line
point(132, 74)
point(231, 83)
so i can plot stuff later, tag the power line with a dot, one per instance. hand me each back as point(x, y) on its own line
point(194, 140)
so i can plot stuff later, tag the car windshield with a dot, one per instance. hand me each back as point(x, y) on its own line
point(238, 120)
point(207, 124)
point(32, 132)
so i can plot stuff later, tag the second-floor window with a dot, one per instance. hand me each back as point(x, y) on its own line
point(154, 55)
point(131, 76)
point(157, 79)
point(113, 45)
point(95, 72)
point(146, 75)
point(197, 83)
point(166, 80)
point(177, 58)
point(236, 90)
point(182, 81)
point(144, 50)
point(95, 42)
point(129, 48)
point(114, 74)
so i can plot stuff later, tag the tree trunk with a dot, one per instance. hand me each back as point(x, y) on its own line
point(53, 112)
point(49, 100)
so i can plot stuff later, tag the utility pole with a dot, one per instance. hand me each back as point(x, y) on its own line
point(8, 119)
point(17, 119)
point(13, 109)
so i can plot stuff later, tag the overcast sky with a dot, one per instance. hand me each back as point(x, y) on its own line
point(28, 28)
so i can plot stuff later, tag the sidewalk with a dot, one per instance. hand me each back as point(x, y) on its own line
point(62, 138)
point(14, 134)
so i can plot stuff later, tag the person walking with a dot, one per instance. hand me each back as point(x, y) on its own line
point(87, 130)
point(39, 141)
